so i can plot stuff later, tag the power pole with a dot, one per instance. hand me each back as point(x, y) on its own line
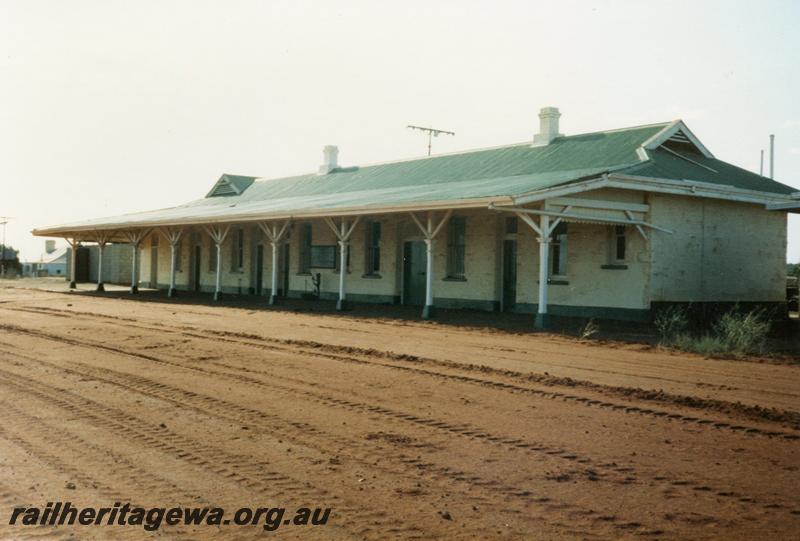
point(432, 132)
point(5, 220)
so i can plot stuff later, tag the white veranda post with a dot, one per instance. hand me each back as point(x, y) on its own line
point(73, 260)
point(544, 261)
point(275, 232)
point(343, 233)
point(543, 229)
point(429, 231)
point(135, 239)
point(173, 236)
point(102, 240)
point(549, 221)
point(218, 234)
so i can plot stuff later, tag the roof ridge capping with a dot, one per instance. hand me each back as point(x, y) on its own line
point(527, 143)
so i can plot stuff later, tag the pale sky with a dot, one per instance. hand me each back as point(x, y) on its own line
point(113, 107)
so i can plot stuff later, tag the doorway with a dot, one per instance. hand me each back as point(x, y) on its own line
point(414, 273)
point(196, 268)
point(154, 266)
point(509, 275)
point(259, 269)
point(82, 264)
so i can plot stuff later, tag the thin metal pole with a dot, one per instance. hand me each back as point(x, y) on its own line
point(761, 164)
point(772, 156)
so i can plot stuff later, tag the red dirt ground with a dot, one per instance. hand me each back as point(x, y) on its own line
point(407, 430)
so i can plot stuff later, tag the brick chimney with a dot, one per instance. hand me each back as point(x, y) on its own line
point(330, 159)
point(548, 126)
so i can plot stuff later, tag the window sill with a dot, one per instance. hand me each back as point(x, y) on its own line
point(556, 281)
point(303, 274)
point(372, 276)
point(453, 279)
point(614, 266)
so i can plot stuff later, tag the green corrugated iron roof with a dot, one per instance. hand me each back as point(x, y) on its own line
point(506, 171)
point(575, 153)
point(663, 164)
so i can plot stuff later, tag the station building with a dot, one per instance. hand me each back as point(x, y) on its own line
point(610, 224)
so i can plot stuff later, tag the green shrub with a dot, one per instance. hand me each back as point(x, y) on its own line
point(671, 322)
point(743, 333)
point(734, 333)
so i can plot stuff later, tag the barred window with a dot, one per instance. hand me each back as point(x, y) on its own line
point(456, 242)
point(237, 255)
point(619, 243)
point(372, 264)
point(212, 255)
point(305, 249)
point(559, 251)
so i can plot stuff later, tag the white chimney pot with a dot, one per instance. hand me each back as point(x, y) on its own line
point(548, 126)
point(330, 159)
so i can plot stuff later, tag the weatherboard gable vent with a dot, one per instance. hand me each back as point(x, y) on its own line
point(230, 185)
point(677, 137)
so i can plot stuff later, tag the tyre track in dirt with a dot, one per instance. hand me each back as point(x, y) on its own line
point(245, 472)
point(38, 444)
point(617, 474)
point(345, 354)
point(102, 459)
point(600, 355)
point(298, 432)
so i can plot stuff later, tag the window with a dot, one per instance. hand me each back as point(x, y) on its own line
point(237, 255)
point(511, 225)
point(618, 246)
point(456, 240)
point(212, 255)
point(305, 249)
point(559, 251)
point(372, 265)
point(154, 240)
point(325, 257)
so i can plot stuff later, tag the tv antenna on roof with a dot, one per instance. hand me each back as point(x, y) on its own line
point(432, 132)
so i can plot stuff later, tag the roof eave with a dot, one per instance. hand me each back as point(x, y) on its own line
point(692, 188)
point(81, 231)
